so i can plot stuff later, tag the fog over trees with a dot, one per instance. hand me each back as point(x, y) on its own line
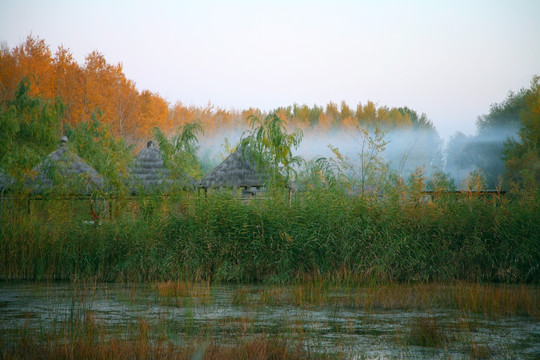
point(46, 94)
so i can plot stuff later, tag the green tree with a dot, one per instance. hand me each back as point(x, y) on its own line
point(30, 128)
point(272, 144)
point(485, 150)
point(503, 115)
point(180, 152)
point(95, 142)
point(523, 155)
point(501, 123)
point(419, 122)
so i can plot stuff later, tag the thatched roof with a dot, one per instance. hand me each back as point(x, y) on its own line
point(148, 172)
point(238, 170)
point(6, 181)
point(65, 170)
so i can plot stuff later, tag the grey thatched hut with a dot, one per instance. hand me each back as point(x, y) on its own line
point(6, 182)
point(238, 170)
point(148, 173)
point(64, 171)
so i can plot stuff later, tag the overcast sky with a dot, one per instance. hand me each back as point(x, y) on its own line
point(449, 59)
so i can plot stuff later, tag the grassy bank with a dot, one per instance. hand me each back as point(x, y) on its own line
point(326, 234)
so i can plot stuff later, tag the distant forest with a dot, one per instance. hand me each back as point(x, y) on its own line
point(44, 95)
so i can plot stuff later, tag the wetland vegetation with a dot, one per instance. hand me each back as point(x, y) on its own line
point(339, 256)
point(220, 238)
point(184, 320)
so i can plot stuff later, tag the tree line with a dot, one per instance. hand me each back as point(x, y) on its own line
point(100, 88)
point(505, 151)
point(44, 95)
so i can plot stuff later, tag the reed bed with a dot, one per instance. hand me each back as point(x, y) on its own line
point(182, 293)
point(219, 238)
point(468, 298)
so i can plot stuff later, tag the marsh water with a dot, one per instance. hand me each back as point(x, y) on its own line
point(225, 314)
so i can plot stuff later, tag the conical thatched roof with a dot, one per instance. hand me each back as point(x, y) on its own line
point(6, 181)
point(237, 170)
point(147, 172)
point(64, 170)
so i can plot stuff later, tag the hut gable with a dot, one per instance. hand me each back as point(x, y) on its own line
point(238, 170)
point(148, 172)
point(65, 169)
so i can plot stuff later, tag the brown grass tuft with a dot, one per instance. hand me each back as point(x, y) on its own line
point(425, 331)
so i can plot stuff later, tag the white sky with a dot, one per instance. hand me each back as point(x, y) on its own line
point(449, 59)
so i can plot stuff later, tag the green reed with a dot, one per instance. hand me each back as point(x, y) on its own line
point(220, 238)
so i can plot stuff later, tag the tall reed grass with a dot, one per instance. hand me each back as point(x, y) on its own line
point(220, 238)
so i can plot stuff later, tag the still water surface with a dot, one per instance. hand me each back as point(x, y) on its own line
point(359, 334)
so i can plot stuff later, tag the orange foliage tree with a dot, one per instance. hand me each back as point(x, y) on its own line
point(97, 87)
point(94, 87)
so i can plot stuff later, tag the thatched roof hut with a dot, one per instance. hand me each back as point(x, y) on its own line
point(239, 169)
point(6, 181)
point(148, 172)
point(63, 170)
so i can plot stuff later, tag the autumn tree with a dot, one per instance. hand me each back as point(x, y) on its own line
point(34, 61)
point(98, 88)
point(153, 113)
point(69, 85)
point(367, 114)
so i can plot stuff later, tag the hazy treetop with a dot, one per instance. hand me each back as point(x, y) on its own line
point(451, 60)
